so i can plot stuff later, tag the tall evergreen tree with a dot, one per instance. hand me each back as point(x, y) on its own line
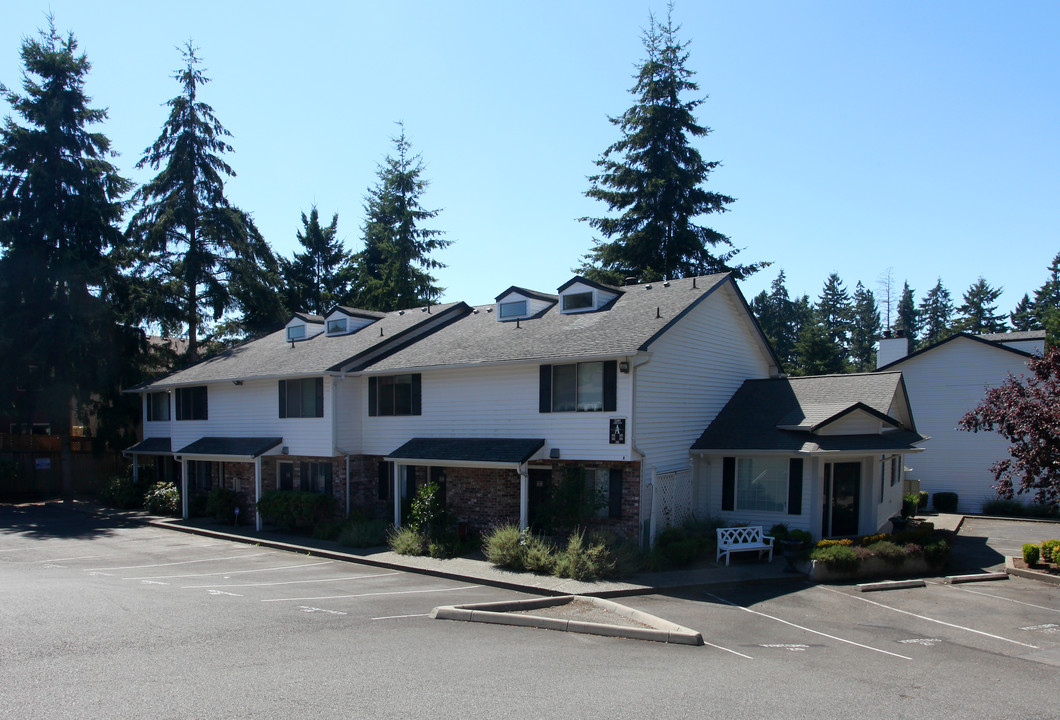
point(865, 329)
point(978, 314)
point(1025, 317)
point(60, 203)
point(907, 319)
point(320, 277)
point(835, 312)
point(653, 177)
point(394, 269)
point(936, 312)
point(1047, 302)
point(817, 351)
point(779, 318)
point(196, 243)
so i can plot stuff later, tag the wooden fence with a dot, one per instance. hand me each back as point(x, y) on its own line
point(37, 465)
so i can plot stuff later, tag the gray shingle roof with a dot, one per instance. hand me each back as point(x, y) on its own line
point(627, 324)
point(151, 446)
point(273, 355)
point(1014, 336)
point(485, 450)
point(235, 446)
point(754, 416)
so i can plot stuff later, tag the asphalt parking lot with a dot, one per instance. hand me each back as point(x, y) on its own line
point(105, 620)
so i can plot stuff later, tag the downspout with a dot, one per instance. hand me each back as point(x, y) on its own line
point(397, 495)
point(347, 486)
point(524, 497)
point(257, 492)
point(645, 523)
point(184, 487)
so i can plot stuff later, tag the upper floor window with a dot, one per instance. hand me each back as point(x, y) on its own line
point(191, 403)
point(577, 301)
point(157, 406)
point(295, 332)
point(303, 398)
point(336, 326)
point(579, 387)
point(394, 395)
point(513, 309)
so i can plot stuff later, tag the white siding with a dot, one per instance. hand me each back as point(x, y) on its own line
point(497, 401)
point(695, 368)
point(252, 410)
point(944, 384)
point(348, 413)
point(533, 305)
point(708, 473)
point(855, 423)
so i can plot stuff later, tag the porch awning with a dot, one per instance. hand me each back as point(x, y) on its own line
point(467, 452)
point(229, 448)
point(151, 446)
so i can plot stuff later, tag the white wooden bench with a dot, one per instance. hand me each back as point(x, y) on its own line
point(737, 539)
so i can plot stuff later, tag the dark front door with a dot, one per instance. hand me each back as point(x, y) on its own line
point(540, 484)
point(286, 472)
point(842, 498)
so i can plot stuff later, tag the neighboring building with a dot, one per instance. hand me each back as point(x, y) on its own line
point(495, 402)
point(823, 453)
point(945, 381)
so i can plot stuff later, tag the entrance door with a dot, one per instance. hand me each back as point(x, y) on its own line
point(540, 483)
point(842, 496)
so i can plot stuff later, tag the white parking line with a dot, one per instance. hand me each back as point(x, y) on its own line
point(999, 597)
point(809, 630)
point(230, 572)
point(82, 557)
point(291, 582)
point(925, 617)
point(719, 647)
point(374, 594)
point(182, 562)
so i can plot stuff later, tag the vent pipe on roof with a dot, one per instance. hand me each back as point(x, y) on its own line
point(693, 283)
point(658, 314)
point(631, 280)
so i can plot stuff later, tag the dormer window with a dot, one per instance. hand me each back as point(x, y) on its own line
point(295, 332)
point(337, 326)
point(513, 309)
point(577, 301)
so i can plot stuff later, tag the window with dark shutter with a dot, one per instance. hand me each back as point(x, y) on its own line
point(610, 385)
point(795, 486)
point(728, 483)
point(544, 399)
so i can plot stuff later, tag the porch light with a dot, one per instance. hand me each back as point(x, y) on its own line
point(623, 367)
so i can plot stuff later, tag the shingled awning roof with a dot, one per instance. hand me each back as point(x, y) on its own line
point(468, 452)
point(151, 446)
point(232, 448)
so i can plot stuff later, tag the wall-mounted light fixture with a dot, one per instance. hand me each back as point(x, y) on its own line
point(237, 382)
point(623, 367)
point(553, 454)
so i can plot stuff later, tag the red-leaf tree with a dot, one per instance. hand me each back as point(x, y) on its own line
point(1026, 412)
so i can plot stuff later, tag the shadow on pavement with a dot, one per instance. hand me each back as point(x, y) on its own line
point(50, 520)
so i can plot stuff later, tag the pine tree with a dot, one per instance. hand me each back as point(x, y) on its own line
point(865, 329)
point(1025, 317)
point(654, 178)
point(907, 320)
point(978, 314)
point(393, 270)
point(779, 319)
point(817, 352)
point(60, 203)
point(196, 243)
point(936, 313)
point(320, 277)
point(1047, 303)
point(835, 312)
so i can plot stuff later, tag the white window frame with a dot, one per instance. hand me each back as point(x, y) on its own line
point(582, 308)
point(504, 311)
point(296, 332)
point(337, 329)
point(782, 467)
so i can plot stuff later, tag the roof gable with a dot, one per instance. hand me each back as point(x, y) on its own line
point(982, 339)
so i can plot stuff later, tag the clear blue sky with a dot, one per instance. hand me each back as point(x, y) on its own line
point(856, 136)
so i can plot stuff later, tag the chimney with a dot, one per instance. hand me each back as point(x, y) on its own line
point(891, 349)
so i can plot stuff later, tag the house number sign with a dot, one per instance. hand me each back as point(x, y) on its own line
point(617, 434)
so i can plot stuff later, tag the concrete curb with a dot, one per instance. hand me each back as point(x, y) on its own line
point(978, 577)
point(1011, 569)
point(510, 613)
point(891, 585)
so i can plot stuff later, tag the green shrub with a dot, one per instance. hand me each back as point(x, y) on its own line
point(294, 509)
point(584, 558)
point(406, 540)
point(677, 547)
point(779, 532)
point(163, 499)
point(889, 552)
point(222, 503)
point(1050, 548)
point(328, 529)
point(802, 536)
point(937, 552)
point(945, 502)
point(503, 546)
point(539, 556)
point(364, 533)
point(427, 512)
point(910, 504)
point(840, 558)
point(1031, 553)
point(120, 491)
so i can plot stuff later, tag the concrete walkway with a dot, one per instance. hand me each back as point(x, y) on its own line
point(480, 571)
